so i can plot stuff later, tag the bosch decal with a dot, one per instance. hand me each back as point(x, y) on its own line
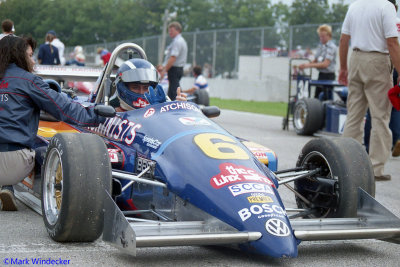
point(151, 142)
point(231, 173)
point(246, 213)
point(149, 112)
point(179, 105)
point(192, 121)
point(117, 129)
point(244, 188)
point(277, 227)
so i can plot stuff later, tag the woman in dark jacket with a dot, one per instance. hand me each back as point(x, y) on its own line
point(22, 96)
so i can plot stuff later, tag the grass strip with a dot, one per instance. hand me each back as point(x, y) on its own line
point(268, 108)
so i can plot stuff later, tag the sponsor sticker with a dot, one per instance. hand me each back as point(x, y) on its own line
point(151, 142)
point(113, 155)
point(232, 174)
point(263, 209)
point(277, 227)
point(179, 105)
point(244, 188)
point(260, 199)
point(117, 129)
point(149, 112)
point(194, 121)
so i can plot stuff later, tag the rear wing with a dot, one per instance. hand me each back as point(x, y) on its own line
point(68, 73)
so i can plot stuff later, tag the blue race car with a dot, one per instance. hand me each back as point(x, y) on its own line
point(167, 175)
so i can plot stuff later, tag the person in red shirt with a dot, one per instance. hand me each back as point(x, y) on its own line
point(104, 55)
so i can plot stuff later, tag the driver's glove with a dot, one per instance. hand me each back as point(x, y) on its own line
point(155, 96)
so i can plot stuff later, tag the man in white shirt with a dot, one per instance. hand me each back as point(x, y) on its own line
point(175, 59)
point(370, 24)
point(60, 46)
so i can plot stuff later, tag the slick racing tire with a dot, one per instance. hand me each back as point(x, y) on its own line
point(202, 97)
point(76, 172)
point(344, 167)
point(308, 116)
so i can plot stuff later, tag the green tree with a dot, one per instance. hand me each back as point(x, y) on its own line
point(308, 12)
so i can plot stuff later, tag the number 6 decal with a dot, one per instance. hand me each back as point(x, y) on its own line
point(219, 146)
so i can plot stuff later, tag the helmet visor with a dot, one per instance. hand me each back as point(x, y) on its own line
point(140, 75)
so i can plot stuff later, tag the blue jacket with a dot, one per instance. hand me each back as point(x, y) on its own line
point(23, 95)
point(47, 57)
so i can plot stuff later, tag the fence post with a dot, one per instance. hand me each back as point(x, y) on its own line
point(237, 52)
point(290, 40)
point(194, 49)
point(261, 50)
point(214, 58)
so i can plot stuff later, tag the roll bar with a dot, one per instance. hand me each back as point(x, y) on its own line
point(103, 93)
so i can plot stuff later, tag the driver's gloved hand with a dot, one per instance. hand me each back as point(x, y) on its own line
point(70, 93)
point(155, 96)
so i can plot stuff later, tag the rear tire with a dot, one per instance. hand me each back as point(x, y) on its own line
point(308, 116)
point(76, 172)
point(202, 97)
point(345, 166)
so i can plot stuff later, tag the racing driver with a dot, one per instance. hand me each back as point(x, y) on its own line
point(22, 96)
point(137, 86)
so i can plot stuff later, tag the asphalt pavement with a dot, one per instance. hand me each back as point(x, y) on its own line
point(23, 237)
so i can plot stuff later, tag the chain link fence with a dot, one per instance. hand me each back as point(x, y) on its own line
point(218, 51)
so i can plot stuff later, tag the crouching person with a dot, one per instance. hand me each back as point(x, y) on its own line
point(22, 96)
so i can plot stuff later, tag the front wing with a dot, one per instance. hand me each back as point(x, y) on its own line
point(374, 221)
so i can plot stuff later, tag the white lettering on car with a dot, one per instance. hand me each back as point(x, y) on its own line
point(117, 129)
point(244, 188)
point(246, 213)
point(179, 105)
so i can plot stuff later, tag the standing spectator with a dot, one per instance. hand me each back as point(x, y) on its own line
point(176, 58)
point(372, 29)
point(60, 46)
point(324, 61)
point(104, 55)
point(48, 53)
point(21, 100)
point(8, 28)
point(394, 123)
point(78, 58)
point(200, 82)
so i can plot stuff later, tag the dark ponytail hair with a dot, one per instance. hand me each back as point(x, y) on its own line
point(13, 50)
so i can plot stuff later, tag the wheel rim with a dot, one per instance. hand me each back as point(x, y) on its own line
point(324, 201)
point(53, 186)
point(300, 116)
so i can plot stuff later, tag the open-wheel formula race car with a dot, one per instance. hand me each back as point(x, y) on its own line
point(167, 175)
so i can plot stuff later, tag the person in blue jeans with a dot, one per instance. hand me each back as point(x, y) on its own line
point(394, 126)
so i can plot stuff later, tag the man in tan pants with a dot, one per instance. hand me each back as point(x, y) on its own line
point(371, 26)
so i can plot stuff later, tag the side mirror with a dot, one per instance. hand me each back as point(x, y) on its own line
point(105, 111)
point(211, 111)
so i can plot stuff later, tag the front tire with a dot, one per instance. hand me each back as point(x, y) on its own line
point(75, 175)
point(344, 166)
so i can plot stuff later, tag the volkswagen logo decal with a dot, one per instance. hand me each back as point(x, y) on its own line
point(277, 227)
